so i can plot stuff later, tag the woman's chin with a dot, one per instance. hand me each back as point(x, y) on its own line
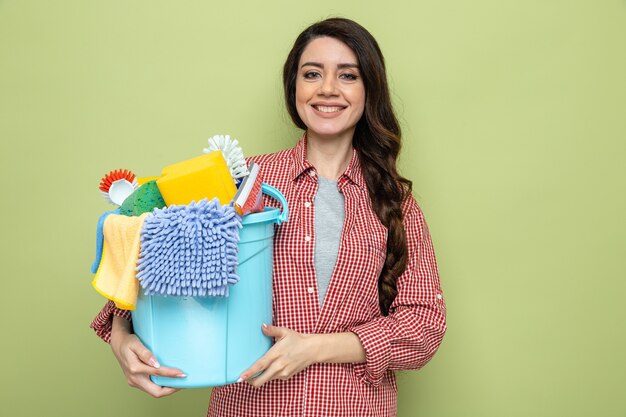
point(330, 133)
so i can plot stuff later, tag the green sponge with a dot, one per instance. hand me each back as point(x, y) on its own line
point(143, 200)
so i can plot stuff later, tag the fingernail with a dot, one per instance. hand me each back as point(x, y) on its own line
point(240, 380)
point(154, 363)
point(181, 376)
point(265, 326)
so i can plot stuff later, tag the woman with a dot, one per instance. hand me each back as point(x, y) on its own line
point(356, 288)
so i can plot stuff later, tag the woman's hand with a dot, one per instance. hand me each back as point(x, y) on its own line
point(137, 362)
point(291, 353)
point(294, 351)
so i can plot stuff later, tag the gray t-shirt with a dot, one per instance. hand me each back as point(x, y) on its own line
point(329, 216)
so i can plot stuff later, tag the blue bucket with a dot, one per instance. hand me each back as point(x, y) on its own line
point(214, 339)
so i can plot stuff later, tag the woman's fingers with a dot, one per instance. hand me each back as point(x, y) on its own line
point(157, 391)
point(138, 376)
point(274, 331)
point(290, 354)
point(143, 369)
point(279, 368)
point(144, 354)
point(163, 391)
point(258, 366)
point(138, 364)
point(267, 375)
point(169, 372)
point(147, 363)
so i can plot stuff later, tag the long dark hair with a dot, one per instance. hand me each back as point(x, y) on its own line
point(376, 139)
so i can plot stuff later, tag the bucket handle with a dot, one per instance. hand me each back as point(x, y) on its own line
point(278, 196)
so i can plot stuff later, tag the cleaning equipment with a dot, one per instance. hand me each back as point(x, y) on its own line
point(115, 278)
point(205, 176)
point(117, 185)
point(142, 180)
point(233, 154)
point(214, 339)
point(189, 250)
point(143, 200)
point(249, 197)
point(100, 239)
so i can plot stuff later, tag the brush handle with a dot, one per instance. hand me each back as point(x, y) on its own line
point(278, 196)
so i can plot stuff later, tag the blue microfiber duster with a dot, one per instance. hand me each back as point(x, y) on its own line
point(189, 250)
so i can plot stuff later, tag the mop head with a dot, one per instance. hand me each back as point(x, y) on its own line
point(189, 250)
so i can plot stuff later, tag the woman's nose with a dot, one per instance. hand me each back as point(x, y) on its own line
point(328, 86)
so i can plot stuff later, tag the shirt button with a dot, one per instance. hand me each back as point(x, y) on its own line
point(311, 290)
point(307, 204)
point(307, 238)
point(312, 173)
point(439, 296)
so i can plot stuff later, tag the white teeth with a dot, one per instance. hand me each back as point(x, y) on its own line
point(327, 109)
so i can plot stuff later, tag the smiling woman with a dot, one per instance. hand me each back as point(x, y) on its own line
point(330, 95)
point(356, 291)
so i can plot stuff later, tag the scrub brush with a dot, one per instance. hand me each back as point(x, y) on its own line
point(117, 185)
point(233, 154)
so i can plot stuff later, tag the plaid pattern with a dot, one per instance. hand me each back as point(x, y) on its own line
point(406, 339)
point(103, 322)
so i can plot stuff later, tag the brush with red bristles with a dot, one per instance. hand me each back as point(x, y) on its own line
point(117, 185)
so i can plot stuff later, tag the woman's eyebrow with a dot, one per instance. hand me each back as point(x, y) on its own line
point(320, 65)
point(312, 64)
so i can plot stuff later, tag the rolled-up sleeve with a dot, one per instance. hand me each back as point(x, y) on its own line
point(103, 322)
point(411, 334)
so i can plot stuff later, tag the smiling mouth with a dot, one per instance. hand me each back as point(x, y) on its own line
point(328, 109)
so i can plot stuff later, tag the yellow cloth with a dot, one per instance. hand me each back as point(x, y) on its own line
point(115, 278)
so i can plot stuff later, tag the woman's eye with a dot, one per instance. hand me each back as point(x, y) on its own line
point(311, 74)
point(349, 76)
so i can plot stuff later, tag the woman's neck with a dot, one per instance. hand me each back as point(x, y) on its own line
point(330, 157)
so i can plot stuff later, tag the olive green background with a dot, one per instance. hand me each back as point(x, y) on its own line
point(514, 118)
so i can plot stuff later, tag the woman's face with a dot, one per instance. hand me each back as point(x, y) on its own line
point(330, 95)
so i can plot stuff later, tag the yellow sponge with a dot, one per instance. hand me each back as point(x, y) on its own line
point(205, 176)
point(143, 180)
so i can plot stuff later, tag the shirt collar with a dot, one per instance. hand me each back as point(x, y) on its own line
point(301, 165)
